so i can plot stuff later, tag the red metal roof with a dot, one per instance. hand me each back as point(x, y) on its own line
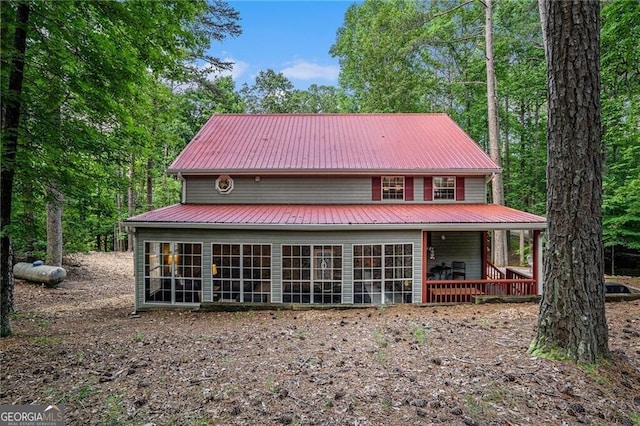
point(381, 216)
point(331, 143)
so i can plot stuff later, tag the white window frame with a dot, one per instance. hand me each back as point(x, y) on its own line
point(241, 279)
point(439, 189)
point(167, 268)
point(392, 185)
point(311, 275)
point(369, 281)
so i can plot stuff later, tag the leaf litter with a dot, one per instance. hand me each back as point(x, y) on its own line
point(80, 346)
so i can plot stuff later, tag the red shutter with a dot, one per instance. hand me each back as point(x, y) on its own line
point(376, 189)
point(428, 188)
point(459, 188)
point(408, 188)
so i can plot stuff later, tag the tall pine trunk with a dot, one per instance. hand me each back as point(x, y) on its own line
point(131, 200)
point(572, 321)
point(500, 254)
point(54, 225)
point(10, 130)
point(149, 184)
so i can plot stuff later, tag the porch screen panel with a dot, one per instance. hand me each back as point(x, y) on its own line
point(367, 273)
point(382, 273)
point(327, 274)
point(296, 274)
point(398, 272)
point(312, 274)
point(157, 272)
point(256, 273)
point(225, 272)
point(173, 272)
point(188, 273)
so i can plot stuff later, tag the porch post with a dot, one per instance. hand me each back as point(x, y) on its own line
point(425, 266)
point(537, 261)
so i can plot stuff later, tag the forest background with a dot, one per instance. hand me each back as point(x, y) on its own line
point(112, 92)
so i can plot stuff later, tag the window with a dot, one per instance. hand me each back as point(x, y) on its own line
point(241, 272)
point(382, 273)
point(311, 274)
point(224, 184)
point(444, 188)
point(392, 188)
point(172, 272)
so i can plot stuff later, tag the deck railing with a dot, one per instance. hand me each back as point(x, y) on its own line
point(462, 291)
point(494, 273)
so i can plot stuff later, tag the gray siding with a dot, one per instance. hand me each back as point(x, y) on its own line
point(458, 246)
point(475, 190)
point(276, 239)
point(306, 190)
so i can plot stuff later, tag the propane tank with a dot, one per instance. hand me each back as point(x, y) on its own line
point(38, 272)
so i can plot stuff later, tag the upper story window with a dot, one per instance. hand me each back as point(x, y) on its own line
point(393, 188)
point(444, 188)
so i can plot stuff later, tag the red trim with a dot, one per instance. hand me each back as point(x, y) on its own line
point(408, 188)
point(459, 188)
point(376, 188)
point(428, 188)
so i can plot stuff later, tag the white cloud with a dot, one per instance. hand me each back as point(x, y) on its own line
point(303, 70)
point(238, 70)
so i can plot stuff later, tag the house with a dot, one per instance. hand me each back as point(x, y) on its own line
point(328, 209)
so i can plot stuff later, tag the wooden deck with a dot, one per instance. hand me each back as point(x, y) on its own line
point(507, 283)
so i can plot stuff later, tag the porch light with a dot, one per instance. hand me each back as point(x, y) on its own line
point(442, 237)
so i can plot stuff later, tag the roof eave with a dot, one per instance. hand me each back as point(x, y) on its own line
point(488, 226)
point(316, 172)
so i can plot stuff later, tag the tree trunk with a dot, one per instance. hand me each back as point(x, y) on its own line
point(131, 201)
point(10, 129)
point(29, 220)
point(54, 225)
point(149, 185)
point(571, 322)
point(117, 243)
point(500, 254)
point(613, 260)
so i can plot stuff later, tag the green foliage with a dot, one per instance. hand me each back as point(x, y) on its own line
point(414, 57)
point(620, 117)
point(101, 109)
point(418, 332)
point(380, 339)
point(380, 62)
point(272, 93)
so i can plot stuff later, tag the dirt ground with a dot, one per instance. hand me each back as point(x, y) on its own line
point(79, 345)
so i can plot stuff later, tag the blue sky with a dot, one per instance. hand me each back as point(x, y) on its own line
point(291, 37)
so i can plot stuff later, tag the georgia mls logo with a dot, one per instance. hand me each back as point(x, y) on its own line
point(31, 415)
